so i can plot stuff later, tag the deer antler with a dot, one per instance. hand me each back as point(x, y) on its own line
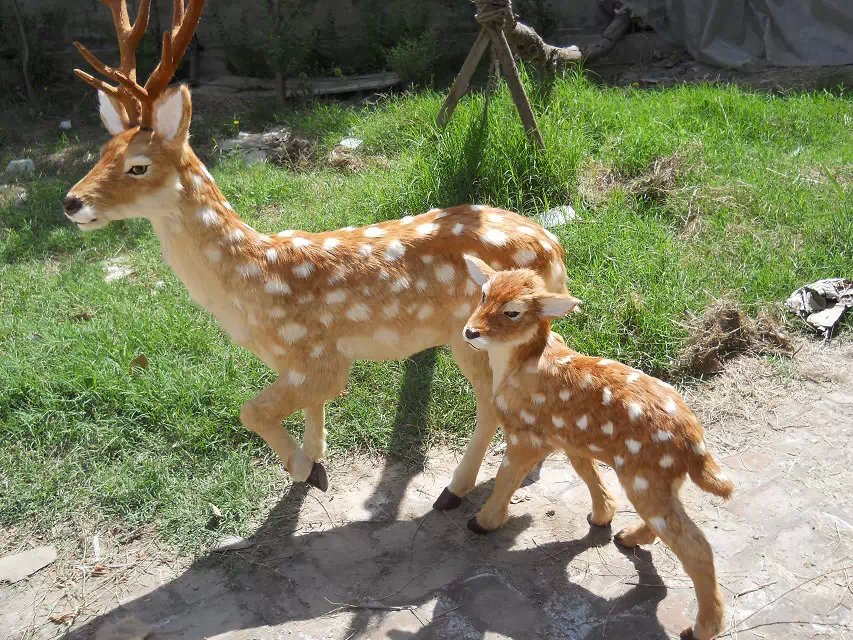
point(139, 100)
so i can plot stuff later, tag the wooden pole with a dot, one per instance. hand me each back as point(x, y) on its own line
point(460, 84)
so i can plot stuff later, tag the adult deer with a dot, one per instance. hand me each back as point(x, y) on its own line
point(307, 304)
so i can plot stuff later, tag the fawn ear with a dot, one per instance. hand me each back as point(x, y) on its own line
point(112, 114)
point(172, 113)
point(479, 271)
point(556, 306)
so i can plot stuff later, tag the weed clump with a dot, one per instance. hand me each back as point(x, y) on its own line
point(724, 331)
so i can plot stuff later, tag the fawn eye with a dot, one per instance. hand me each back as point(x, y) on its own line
point(511, 314)
point(483, 298)
point(138, 170)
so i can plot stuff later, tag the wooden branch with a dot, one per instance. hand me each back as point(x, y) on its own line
point(460, 84)
point(25, 53)
point(531, 47)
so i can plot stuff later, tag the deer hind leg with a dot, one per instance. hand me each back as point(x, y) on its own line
point(518, 460)
point(603, 502)
point(475, 367)
point(665, 516)
point(314, 440)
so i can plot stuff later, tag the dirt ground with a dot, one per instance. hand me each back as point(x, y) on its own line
point(371, 559)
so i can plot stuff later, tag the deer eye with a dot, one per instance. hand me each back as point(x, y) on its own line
point(138, 170)
point(511, 314)
point(483, 298)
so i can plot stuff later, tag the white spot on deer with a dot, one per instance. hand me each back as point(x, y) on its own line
point(197, 180)
point(565, 359)
point(248, 269)
point(606, 396)
point(386, 335)
point(427, 258)
point(303, 270)
point(470, 287)
point(524, 256)
point(663, 384)
point(495, 217)
point(277, 286)
point(633, 377)
point(358, 312)
point(426, 228)
point(407, 219)
point(365, 249)
point(336, 297)
point(604, 362)
point(501, 403)
point(374, 232)
point(214, 254)
point(618, 461)
point(528, 417)
point(295, 378)
point(348, 229)
point(236, 235)
point(607, 428)
point(462, 311)
point(666, 461)
point(586, 381)
point(317, 350)
point(545, 244)
point(228, 206)
point(425, 312)
point(277, 312)
point(633, 445)
point(457, 229)
point(582, 422)
point(278, 350)
point(670, 407)
point(207, 173)
point(439, 213)
point(658, 523)
point(538, 398)
point(339, 274)
point(512, 438)
point(286, 233)
point(392, 310)
point(595, 448)
point(394, 250)
point(301, 242)
point(326, 319)
point(699, 447)
point(565, 395)
point(272, 254)
point(292, 332)
point(208, 216)
point(400, 284)
point(535, 441)
point(505, 462)
point(552, 236)
point(640, 483)
point(495, 237)
point(528, 231)
point(558, 422)
point(476, 208)
point(421, 284)
point(331, 243)
point(635, 410)
point(662, 436)
point(445, 273)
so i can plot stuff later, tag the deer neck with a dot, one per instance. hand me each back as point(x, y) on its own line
point(508, 357)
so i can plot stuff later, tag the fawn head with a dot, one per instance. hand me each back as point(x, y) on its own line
point(137, 174)
point(515, 304)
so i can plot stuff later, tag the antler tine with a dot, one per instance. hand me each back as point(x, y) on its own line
point(94, 82)
point(114, 74)
point(129, 35)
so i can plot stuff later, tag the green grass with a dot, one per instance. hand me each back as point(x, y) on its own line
point(765, 181)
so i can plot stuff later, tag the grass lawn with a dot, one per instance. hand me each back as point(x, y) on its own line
point(685, 195)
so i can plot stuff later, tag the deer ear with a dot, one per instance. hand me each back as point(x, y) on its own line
point(172, 113)
point(479, 271)
point(112, 114)
point(556, 306)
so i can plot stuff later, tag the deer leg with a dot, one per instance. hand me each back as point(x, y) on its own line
point(475, 367)
point(314, 444)
point(263, 415)
point(603, 502)
point(665, 515)
point(518, 461)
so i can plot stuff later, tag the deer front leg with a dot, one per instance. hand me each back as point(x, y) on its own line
point(314, 444)
point(264, 413)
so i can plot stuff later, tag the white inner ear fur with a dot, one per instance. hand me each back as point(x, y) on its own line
point(475, 271)
point(168, 113)
point(136, 160)
point(557, 306)
point(110, 115)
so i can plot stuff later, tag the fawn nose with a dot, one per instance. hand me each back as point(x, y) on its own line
point(471, 334)
point(72, 204)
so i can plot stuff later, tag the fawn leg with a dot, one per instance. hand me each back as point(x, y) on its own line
point(314, 444)
point(518, 461)
point(475, 367)
point(603, 502)
point(665, 515)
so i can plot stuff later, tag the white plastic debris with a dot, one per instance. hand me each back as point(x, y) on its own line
point(65, 125)
point(22, 168)
point(558, 216)
point(823, 303)
point(351, 144)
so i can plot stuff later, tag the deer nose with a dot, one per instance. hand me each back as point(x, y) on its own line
point(471, 334)
point(72, 204)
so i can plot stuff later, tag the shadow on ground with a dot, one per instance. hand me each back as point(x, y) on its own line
point(388, 568)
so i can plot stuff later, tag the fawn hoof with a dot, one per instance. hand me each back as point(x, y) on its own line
point(474, 526)
point(604, 525)
point(447, 501)
point(687, 634)
point(318, 478)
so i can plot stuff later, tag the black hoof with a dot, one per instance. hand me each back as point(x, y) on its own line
point(592, 524)
point(317, 477)
point(447, 501)
point(474, 526)
point(687, 634)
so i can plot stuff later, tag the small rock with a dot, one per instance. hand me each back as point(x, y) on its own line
point(232, 543)
point(20, 565)
point(65, 125)
point(23, 168)
point(256, 156)
point(351, 144)
point(558, 216)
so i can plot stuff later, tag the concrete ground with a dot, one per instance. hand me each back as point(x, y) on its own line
point(371, 559)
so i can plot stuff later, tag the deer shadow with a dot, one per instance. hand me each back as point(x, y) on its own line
point(380, 567)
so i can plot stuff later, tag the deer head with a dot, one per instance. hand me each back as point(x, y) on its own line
point(515, 304)
point(138, 173)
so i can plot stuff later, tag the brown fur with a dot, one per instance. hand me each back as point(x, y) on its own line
point(550, 397)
